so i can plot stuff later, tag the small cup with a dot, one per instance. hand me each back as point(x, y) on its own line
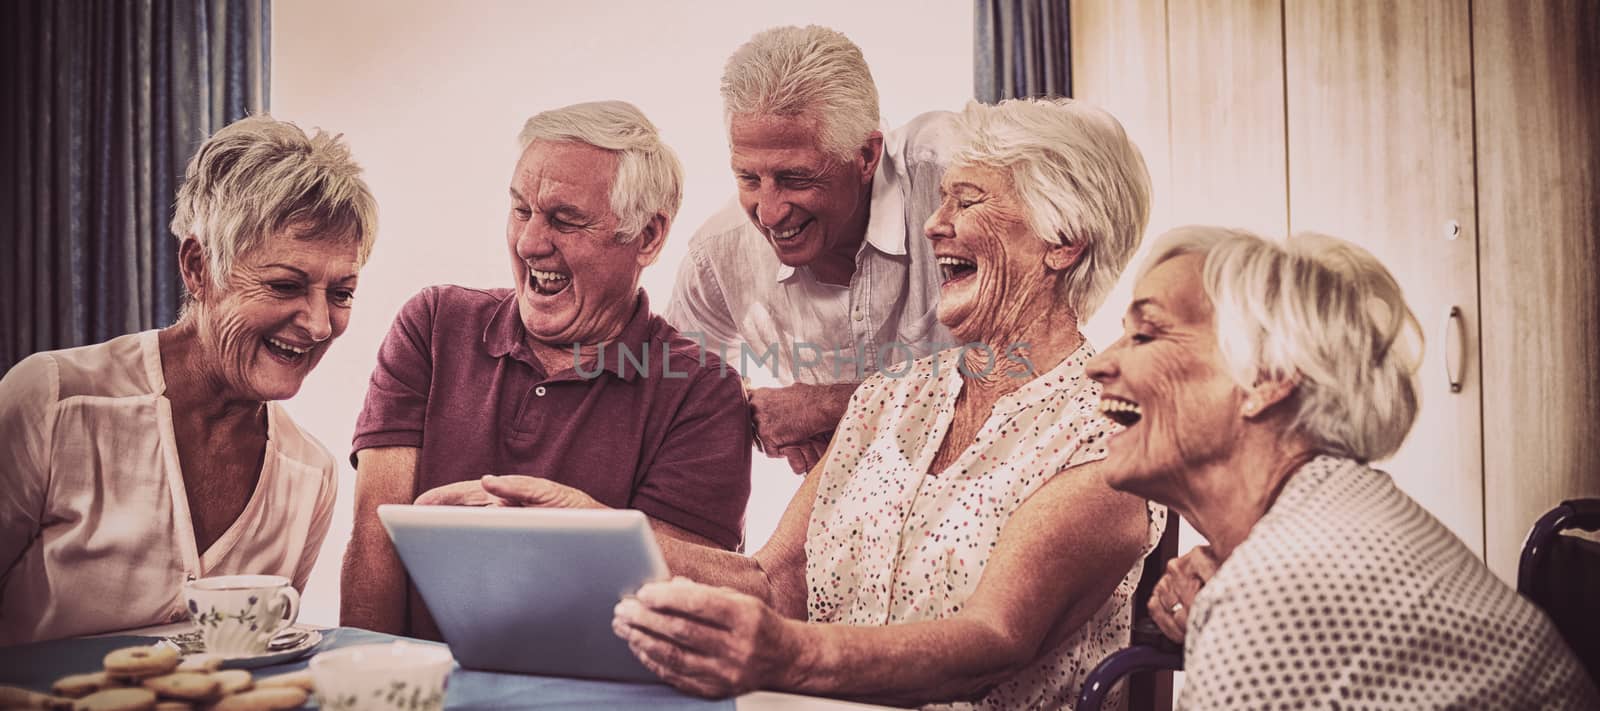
point(400, 675)
point(237, 615)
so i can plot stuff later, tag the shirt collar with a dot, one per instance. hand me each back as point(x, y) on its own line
point(886, 223)
point(506, 336)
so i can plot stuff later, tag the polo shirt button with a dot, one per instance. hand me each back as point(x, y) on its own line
point(860, 315)
point(539, 391)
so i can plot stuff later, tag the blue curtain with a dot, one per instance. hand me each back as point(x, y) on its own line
point(1020, 49)
point(104, 101)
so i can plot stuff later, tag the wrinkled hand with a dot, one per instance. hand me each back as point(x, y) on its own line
point(788, 417)
point(1185, 575)
point(536, 492)
point(708, 641)
point(805, 455)
point(461, 493)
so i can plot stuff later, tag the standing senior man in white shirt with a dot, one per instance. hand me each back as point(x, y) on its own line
point(818, 270)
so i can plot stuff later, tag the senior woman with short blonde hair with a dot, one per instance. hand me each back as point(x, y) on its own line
point(957, 543)
point(133, 464)
point(1256, 383)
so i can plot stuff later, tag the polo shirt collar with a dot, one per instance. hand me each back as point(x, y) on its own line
point(506, 336)
point(886, 223)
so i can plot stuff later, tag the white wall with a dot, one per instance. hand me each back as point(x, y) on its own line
point(430, 96)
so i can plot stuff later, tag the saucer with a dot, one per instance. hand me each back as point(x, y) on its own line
point(294, 646)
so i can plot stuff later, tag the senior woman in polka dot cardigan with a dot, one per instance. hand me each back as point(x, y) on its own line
point(958, 540)
point(1256, 381)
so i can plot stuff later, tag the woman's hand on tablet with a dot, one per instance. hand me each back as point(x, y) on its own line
point(536, 492)
point(704, 640)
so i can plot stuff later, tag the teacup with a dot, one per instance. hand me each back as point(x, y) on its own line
point(237, 615)
point(399, 676)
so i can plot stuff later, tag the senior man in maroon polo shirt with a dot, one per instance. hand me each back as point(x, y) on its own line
point(565, 389)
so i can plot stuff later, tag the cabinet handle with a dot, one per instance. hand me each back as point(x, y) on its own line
point(1455, 347)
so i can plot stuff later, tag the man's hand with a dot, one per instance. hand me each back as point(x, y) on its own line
point(785, 417)
point(805, 455)
point(534, 491)
point(1173, 595)
point(461, 493)
point(509, 491)
point(795, 422)
point(708, 641)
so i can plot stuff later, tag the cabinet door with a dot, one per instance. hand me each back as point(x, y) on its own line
point(1538, 177)
point(1198, 84)
point(1379, 116)
point(1119, 63)
point(1226, 67)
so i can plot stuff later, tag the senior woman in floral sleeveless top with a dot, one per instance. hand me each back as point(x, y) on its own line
point(958, 542)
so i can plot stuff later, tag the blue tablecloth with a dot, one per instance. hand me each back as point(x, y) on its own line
point(37, 665)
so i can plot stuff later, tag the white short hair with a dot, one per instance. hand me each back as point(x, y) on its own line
point(649, 179)
point(1319, 309)
point(259, 177)
point(809, 71)
point(1078, 176)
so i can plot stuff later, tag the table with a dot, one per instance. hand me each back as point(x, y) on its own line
point(37, 665)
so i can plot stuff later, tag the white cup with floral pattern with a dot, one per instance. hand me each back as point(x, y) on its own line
point(398, 676)
point(237, 615)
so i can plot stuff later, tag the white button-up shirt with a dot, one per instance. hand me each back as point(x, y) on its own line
point(734, 293)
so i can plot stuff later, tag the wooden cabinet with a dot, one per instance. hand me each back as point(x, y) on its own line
point(1379, 107)
point(1458, 142)
point(1536, 68)
point(1227, 121)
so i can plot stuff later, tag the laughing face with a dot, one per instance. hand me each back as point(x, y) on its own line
point(998, 276)
point(806, 202)
point(575, 281)
point(1165, 382)
point(284, 304)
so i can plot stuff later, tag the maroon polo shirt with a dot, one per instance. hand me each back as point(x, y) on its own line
point(456, 378)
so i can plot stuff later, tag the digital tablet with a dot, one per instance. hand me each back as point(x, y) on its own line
point(528, 590)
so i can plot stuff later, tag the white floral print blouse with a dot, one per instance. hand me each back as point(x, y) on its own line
point(891, 542)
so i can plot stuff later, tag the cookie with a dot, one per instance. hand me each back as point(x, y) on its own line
point(297, 679)
point(18, 697)
point(117, 700)
point(269, 699)
point(200, 663)
point(184, 686)
point(233, 681)
point(141, 662)
point(78, 686)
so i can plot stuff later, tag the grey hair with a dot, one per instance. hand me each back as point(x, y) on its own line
point(649, 179)
point(809, 71)
point(259, 177)
point(1079, 177)
point(1319, 309)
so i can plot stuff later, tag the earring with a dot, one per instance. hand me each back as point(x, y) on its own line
point(1250, 407)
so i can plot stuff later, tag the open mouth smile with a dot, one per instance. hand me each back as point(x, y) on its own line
point(786, 235)
point(547, 283)
point(955, 268)
point(1120, 411)
point(285, 351)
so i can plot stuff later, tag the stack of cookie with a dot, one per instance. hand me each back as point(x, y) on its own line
point(154, 678)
